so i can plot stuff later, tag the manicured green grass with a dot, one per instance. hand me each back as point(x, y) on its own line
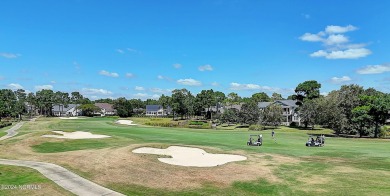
point(11, 177)
point(2, 133)
point(368, 159)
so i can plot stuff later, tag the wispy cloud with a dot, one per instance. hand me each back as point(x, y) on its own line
point(340, 80)
point(15, 86)
point(337, 45)
point(159, 90)
point(215, 84)
point(120, 51)
point(106, 73)
point(9, 55)
point(145, 96)
point(2, 78)
point(374, 69)
point(342, 54)
point(333, 29)
point(189, 82)
point(129, 75)
point(161, 77)
point(177, 65)
point(205, 68)
point(252, 87)
point(139, 88)
point(94, 91)
point(45, 86)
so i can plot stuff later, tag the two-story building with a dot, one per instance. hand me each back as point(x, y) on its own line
point(106, 109)
point(157, 110)
point(289, 110)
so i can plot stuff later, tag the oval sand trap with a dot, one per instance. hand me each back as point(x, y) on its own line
point(186, 156)
point(76, 135)
point(125, 122)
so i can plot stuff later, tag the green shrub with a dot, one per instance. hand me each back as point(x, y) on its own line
point(384, 132)
point(5, 124)
point(256, 128)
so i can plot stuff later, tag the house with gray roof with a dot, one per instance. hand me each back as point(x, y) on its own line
point(106, 109)
point(69, 110)
point(157, 110)
point(289, 110)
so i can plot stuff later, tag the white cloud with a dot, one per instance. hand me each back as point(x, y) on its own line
point(311, 37)
point(9, 55)
point(45, 86)
point(160, 77)
point(141, 95)
point(337, 45)
point(53, 82)
point(94, 91)
point(374, 69)
point(132, 50)
point(336, 39)
point(129, 75)
point(324, 93)
point(189, 82)
point(237, 86)
point(139, 88)
point(332, 29)
point(120, 51)
point(343, 54)
point(205, 68)
point(251, 87)
point(319, 53)
point(177, 65)
point(14, 86)
point(155, 96)
point(336, 80)
point(159, 90)
point(215, 84)
point(106, 73)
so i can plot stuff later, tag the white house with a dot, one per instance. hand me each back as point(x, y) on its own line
point(106, 109)
point(70, 110)
point(157, 110)
point(289, 113)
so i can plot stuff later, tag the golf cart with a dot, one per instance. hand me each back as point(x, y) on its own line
point(255, 140)
point(318, 142)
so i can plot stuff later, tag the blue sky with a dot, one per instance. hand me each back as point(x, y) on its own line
point(142, 49)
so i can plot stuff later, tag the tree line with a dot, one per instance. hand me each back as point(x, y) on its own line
point(349, 110)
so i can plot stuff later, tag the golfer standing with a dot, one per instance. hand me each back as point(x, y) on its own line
point(273, 136)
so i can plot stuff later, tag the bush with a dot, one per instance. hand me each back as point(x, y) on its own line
point(384, 132)
point(5, 124)
point(256, 128)
point(293, 124)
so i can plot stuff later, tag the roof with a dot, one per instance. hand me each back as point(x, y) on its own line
point(150, 108)
point(263, 104)
point(60, 108)
point(289, 102)
point(106, 106)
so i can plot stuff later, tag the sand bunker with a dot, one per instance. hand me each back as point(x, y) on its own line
point(125, 122)
point(186, 156)
point(70, 118)
point(76, 135)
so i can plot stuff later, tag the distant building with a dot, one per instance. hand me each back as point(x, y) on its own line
point(106, 109)
point(70, 110)
point(157, 110)
point(289, 113)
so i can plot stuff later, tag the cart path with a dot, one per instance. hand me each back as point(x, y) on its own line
point(59, 175)
point(12, 131)
point(64, 178)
